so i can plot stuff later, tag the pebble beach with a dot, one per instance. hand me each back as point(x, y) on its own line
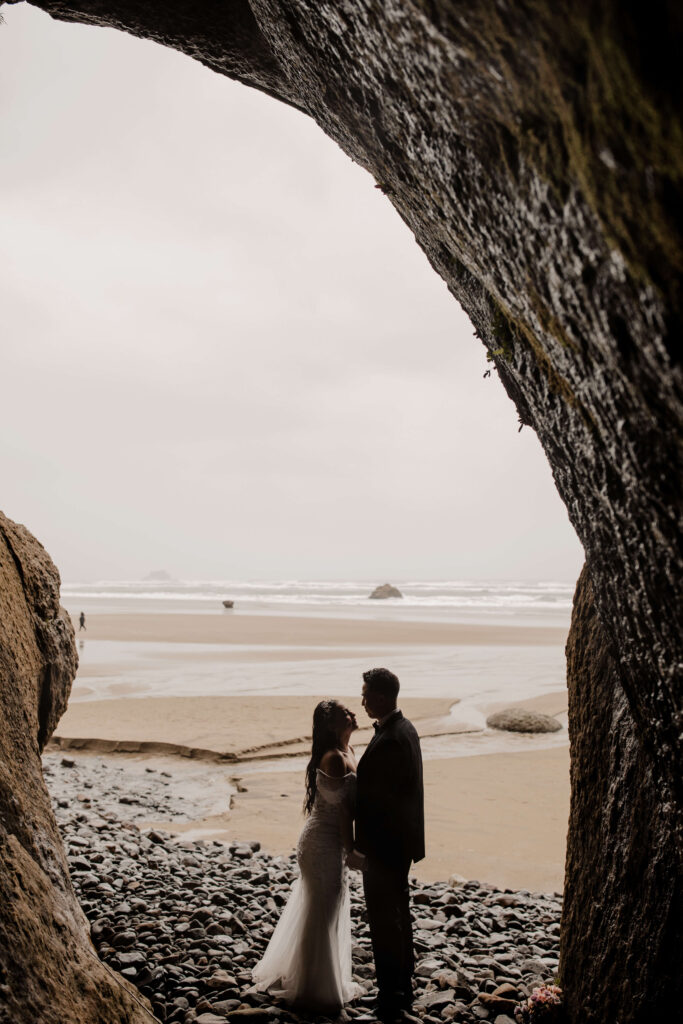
point(186, 919)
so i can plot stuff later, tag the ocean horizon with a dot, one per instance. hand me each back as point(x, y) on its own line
point(547, 599)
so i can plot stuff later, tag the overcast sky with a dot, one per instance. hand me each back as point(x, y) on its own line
point(223, 352)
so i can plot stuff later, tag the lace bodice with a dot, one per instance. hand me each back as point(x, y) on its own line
point(331, 792)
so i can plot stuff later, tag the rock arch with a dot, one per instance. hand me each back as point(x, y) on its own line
point(536, 151)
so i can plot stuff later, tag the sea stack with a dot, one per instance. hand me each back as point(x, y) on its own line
point(384, 591)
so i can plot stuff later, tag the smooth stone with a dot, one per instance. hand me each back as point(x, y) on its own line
point(426, 968)
point(435, 999)
point(79, 863)
point(496, 1004)
point(507, 991)
point(522, 720)
point(221, 979)
point(130, 959)
point(533, 966)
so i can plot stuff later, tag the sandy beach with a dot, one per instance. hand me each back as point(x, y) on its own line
point(496, 816)
point(499, 818)
point(267, 631)
point(231, 728)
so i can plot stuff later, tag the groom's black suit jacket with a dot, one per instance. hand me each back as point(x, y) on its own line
point(390, 796)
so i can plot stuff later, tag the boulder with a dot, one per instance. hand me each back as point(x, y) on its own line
point(522, 720)
point(385, 590)
point(49, 969)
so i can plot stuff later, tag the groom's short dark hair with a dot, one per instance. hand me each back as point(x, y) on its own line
point(381, 680)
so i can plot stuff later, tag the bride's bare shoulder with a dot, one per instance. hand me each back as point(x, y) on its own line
point(332, 763)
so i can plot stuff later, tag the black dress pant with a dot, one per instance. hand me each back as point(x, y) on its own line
point(387, 898)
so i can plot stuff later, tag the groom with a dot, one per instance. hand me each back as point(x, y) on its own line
point(389, 835)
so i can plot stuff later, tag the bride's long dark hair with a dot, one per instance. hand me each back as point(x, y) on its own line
point(324, 738)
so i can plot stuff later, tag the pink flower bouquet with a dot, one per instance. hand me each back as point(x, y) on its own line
point(544, 1004)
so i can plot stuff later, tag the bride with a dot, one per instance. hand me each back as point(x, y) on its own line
point(308, 959)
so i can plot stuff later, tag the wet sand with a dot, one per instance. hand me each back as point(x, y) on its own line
point(499, 818)
point(233, 727)
point(299, 631)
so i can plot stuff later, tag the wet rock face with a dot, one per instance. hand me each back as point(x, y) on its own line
point(47, 968)
point(622, 961)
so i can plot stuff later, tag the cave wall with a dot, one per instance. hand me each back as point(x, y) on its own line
point(623, 961)
point(49, 971)
point(536, 152)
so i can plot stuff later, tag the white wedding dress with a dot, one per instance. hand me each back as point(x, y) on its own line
point(308, 959)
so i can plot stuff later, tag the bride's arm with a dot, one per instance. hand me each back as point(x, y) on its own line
point(333, 764)
point(346, 826)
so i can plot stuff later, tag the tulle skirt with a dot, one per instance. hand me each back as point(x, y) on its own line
point(308, 959)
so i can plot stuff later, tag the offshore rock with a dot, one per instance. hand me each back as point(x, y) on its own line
point(623, 962)
point(48, 967)
point(384, 591)
point(522, 720)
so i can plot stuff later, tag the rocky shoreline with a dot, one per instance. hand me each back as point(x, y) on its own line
point(185, 921)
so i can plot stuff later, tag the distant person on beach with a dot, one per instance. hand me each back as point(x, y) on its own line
point(308, 959)
point(81, 621)
point(389, 836)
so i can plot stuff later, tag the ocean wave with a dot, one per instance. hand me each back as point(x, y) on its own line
point(460, 594)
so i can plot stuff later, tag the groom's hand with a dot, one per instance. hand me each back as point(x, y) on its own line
point(356, 860)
